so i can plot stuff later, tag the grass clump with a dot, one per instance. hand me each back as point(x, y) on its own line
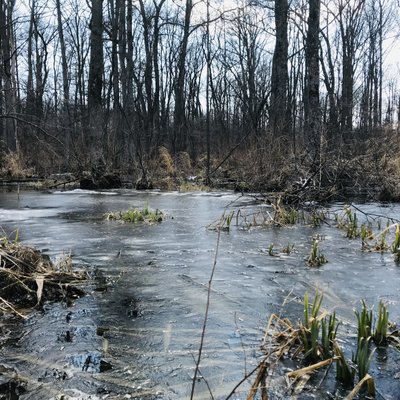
point(316, 258)
point(396, 243)
point(314, 341)
point(380, 333)
point(136, 215)
point(309, 329)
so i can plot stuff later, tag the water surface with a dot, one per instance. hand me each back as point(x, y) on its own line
point(144, 313)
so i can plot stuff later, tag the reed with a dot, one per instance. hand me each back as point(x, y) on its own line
point(396, 243)
point(309, 329)
point(316, 258)
point(329, 327)
point(380, 333)
point(363, 357)
point(344, 371)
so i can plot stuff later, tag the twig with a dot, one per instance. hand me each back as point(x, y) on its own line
point(205, 318)
point(247, 376)
point(12, 308)
point(205, 381)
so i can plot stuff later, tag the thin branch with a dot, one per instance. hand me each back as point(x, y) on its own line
point(205, 317)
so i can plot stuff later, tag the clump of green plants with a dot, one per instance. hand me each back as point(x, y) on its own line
point(381, 243)
point(136, 215)
point(352, 231)
point(271, 251)
point(284, 215)
point(380, 333)
point(309, 329)
point(344, 371)
point(223, 224)
point(315, 338)
point(364, 321)
point(329, 327)
point(316, 258)
point(317, 217)
point(288, 249)
point(396, 243)
point(365, 234)
point(363, 356)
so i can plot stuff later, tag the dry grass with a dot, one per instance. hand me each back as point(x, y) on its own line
point(13, 166)
point(165, 162)
point(27, 277)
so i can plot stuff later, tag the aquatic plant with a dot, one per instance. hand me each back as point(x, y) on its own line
point(381, 243)
point(284, 215)
point(363, 356)
point(364, 320)
point(317, 217)
point(316, 258)
point(381, 324)
point(309, 329)
point(396, 243)
point(329, 327)
point(288, 248)
point(352, 231)
point(344, 371)
point(271, 250)
point(365, 234)
point(136, 215)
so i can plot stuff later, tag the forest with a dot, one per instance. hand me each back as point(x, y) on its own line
point(260, 95)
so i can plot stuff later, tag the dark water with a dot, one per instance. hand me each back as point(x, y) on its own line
point(137, 332)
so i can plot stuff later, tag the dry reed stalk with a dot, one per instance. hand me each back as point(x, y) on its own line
point(370, 387)
point(9, 305)
point(299, 372)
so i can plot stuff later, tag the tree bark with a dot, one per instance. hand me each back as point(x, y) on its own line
point(312, 113)
point(279, 78)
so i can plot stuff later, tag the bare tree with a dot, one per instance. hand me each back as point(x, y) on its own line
point(312, 114)
point(8, 92)
point(279, 78)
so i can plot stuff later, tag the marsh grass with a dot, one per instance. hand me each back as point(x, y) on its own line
point(364, 321)
point(316, 258)
point(136, 215)
point(380, 333)
point(314, 341)
point(310, 328)
point(288, 249)
point(223, 224)
point(329, 327)
point(345, 372)
point(363, 356)
point(271, 251)
point(396, 243)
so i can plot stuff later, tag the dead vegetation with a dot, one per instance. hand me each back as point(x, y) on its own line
point(28, 278)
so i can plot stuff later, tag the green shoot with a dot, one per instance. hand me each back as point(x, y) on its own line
point(364, 319)
point(381, 325)
point(316, 258)
point(344, 372)
point(363, 356)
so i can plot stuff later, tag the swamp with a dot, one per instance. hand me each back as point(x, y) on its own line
point(208, 276)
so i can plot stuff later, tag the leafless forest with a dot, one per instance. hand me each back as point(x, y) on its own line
point(264, 94)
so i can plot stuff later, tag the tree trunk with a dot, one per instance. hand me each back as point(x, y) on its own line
point(312, 113)
point(96, 66)
point(180, 141)
point(279, 78)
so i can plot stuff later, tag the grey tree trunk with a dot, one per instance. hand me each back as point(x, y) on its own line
point(279, 78)
point(312, 113)
point(96, 66)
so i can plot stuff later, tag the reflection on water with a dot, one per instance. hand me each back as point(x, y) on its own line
point(144, 313)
